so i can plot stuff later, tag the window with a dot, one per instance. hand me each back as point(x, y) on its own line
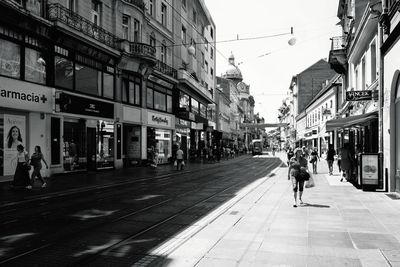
point(331, 103)
point(202, 59)
point(163, 14)
point(136, 30)
point(373, 62)
point(206, 44)
point(183, 35)
point(71, 5)
point(184, 101)
point(212, 73)
point(151, 7)
point(108, 85)
point(194, 17)
point(184, 3)
point(159, 97)
point(152, 41)
point(212, 33)
point(35, 66)
point(203, 110)
point(206, 66)
point(164, 53)
point(96, 12)
point(194, 105)
point(126, 21)
point(34, 6)
point(363, 74)
point(87, 79)
point(10, 55)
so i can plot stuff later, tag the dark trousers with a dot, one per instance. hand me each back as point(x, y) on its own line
point(36, 173)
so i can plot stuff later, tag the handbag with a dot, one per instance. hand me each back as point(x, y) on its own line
point(310, 183)
point(304, 174)
point(175, 163)
point(183, 163)
point(26, 167)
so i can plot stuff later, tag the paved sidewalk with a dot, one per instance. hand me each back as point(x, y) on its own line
point(338, 225)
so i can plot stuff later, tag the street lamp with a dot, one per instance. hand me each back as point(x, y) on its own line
point(292, 41)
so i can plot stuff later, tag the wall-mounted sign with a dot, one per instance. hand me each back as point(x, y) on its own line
point(158, 119)
point(326, 112)
point(83, 106)
point(27, 96)
point(359, 95)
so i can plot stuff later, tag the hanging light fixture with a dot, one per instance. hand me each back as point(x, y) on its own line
point(292, 40)
point(191, 49)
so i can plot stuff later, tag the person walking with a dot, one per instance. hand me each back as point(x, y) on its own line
point(179, 159)
point(339, 160)
point(347, 162)
point(21, 176)
point(36, 162)
point(314, 159)
point(296, 163)
point(330, 158)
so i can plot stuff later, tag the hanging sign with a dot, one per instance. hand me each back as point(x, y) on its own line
point(359, 95)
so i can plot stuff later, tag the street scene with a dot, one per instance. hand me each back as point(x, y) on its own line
point(199, 133)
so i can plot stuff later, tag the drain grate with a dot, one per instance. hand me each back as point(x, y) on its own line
point(393, 196)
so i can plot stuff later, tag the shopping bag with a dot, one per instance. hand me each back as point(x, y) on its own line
point(310, 182)
point(175, 163)
point(183, 163)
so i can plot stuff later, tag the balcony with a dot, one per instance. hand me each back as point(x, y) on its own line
point(139, 3)
point(184, 76)
point(144, 52)
point(338, 54)
point(166, 69)
point(58, 13)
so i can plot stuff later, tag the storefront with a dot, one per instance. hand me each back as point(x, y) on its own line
point(132, 136)
point(182, 137)
point(24, 109)
point(160, 128)
point(87, 131)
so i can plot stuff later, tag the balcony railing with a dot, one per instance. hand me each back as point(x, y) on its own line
point(338, 42)
point(139, 3)
point(59, 13)
point(142, 49)
point(166, 69)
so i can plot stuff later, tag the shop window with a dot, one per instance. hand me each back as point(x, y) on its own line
point(169, 103)
point(55, 141)
point(203, 111)
point(159, 141)
point(10, 59)
point(108, 85)
point(64, 73)
point(131, 91)
point(35, 66)
point(160, 101)
point(87, 80)
point(105, 145)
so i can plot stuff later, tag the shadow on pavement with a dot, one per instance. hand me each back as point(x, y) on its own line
point(315, 205)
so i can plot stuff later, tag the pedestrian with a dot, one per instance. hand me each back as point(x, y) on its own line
point(305, 152)
point(347, 162)
point(290, 154)
point(330, 158)
point(295, 174)
point(179, 159)
point(339, 160)
point(314, 159)
point(21, 176)
point(36, 162)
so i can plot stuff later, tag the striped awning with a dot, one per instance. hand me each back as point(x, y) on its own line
point(347, 122)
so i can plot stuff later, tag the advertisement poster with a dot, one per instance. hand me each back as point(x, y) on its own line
point(369, 170)
point(14, 134)
point(133, 140)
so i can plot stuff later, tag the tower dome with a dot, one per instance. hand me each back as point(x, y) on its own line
point(232, 72)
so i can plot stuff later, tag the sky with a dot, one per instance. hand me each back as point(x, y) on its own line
point(268, 64)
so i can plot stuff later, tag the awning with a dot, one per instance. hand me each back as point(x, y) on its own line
point(362, 119)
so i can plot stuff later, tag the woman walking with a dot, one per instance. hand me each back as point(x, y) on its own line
point(296, 163)
point(21, 176)
point(36, 162)
point(330, 157)
point(314, 159)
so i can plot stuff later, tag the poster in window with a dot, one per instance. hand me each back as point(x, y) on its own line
point(370, 169)
point(14, 135)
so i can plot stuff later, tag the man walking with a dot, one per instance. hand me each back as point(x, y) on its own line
point(179, 159)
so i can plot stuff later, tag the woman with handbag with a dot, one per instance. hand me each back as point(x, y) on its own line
point(21, 176)
point(297, 167)
point(36, 162)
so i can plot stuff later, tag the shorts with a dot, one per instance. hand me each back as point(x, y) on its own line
point(297, 184)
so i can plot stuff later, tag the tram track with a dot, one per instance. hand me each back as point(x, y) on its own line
point(267, 167)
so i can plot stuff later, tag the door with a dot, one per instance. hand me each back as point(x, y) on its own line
point(91, 148)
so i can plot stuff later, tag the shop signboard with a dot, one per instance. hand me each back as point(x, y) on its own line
point(83, 106)
point(158, 119)
point(370, 169)
point(359, 95)
point(26, 96)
